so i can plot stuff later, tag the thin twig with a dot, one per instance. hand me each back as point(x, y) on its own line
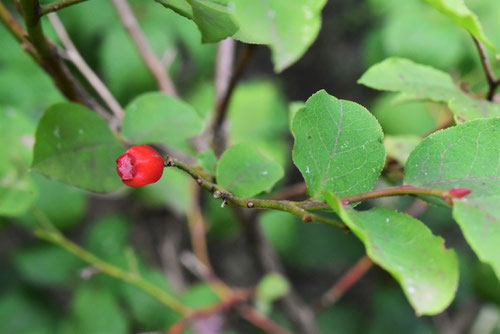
point(222, 104)
point(55, 6)
point(223, 68)
point(75, 57)
point(225, 293)
point(351, 277)
point(145, 50)
point(443, 194)
point(197, 228)
point(50, 59)
point(493, 82)
point(294, 308)
point(111, 270)
point(204, 181)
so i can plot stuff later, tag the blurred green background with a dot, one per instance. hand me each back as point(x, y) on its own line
point(44, 289)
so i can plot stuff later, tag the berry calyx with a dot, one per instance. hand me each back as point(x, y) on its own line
point(140, 165)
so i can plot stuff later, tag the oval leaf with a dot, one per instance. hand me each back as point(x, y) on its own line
point(75, 146)
point(466, 156)
point(407, 249)
point(287, 27)
point(159, 118)
point(245, 172)
point(338, 146)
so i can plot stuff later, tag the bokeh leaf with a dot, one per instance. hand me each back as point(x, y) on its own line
point(75, 146)
point(400, 147)
point(338, 146)
point(466, 156)
point(17, 190)
point(407, 249)
point(244, 171)
point(159, 118)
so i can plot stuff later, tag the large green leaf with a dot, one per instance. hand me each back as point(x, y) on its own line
point(159, 118)
point(244, 171)
point(407, 249)
point(466, 156)
point(288, 27)
point(417, 81)
point(214, 18)
point(338, 146)
point(17, 191)
point(403, 75)
point(458, 12)
point(75, 146)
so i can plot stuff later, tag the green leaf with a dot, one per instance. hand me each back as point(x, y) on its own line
point(145, 309)
point(199, 295)
point(271, 287)
point(181, 7)
point(466, 156)
point(399, 147)
point(403, 75)
point(63, 205)
point(338, 146)
point(17, 191)
point(466, 108)
point(171, 190)
point(417, 81)
point(458, 12)
point(159, 118)
point(407, 249)
point(32, 263)
point(17, 194)
point(208, 161)
point(409, 118)
point(97, 311)
point(22, 314)
point(75, 146)
point(214, 18)
point(287, 27)
point(244, 171)
point(108, 237)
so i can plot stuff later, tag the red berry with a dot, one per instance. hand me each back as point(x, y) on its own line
point(140, 165)
point(460, 192)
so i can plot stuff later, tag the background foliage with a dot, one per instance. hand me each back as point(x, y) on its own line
point(428, 75)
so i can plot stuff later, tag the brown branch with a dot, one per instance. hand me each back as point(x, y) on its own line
point(155, 66)
point(197, 228)
point(100, 88)
point(226, 294)
point(493, 82)
point(351, 277)
point(222, 105)
point(50, 59)
point(55, 6)
point(17, 31)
